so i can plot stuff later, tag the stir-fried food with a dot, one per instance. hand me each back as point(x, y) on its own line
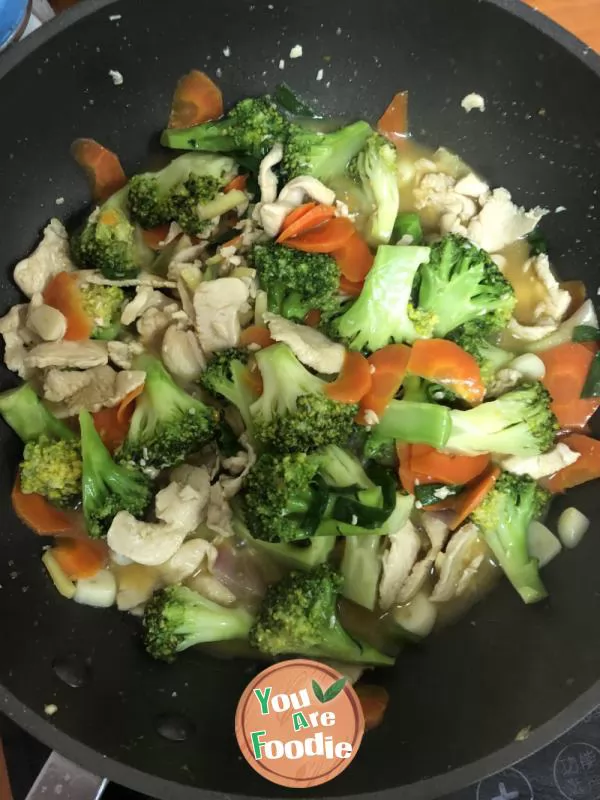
point(302, 391)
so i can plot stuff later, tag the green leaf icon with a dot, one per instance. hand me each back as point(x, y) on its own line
point(335, 689)
point(318, 692)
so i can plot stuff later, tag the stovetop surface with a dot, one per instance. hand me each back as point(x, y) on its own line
point(567, 769)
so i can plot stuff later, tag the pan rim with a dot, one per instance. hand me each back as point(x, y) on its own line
point(426, 789)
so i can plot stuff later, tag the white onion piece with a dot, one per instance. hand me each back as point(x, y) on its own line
point(64, 586)
point(99, 591)
point(572, 525)
point(543, 544)
point(585, 315)
point(530, 366)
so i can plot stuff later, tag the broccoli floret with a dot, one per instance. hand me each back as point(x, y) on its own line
point(296, 496)
point(459, 284)
point(52, 468)
point(518, 423)
point(383, 312)
point(299, 616)
point(168, 424)
point(227, 376)
point(108, 488)
point(298, 554)
point(252, 127)
point(103, 305)
point(156, 198)
point(490, 357)
point(325, 156)
point(294, 414)
point(23, 410)
point(504, 517)
point(375, 169)
point(110, 242)
point(296, 282)
point(177, 618)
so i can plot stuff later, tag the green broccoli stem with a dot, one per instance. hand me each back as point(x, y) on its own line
point(208, 137)
point(511, 553)
point(414, 423)
point(337, 643)
point(361, 568)
point(23, 410)
point(284, 380)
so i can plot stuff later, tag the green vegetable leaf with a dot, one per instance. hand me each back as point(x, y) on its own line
point(586, 333)
point(335, 689)
point(318, 692)
point(591, 387)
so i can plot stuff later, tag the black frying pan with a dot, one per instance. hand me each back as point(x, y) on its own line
point(458, 702)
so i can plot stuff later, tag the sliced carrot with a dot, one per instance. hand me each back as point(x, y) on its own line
point(235, 242)
point(468, 500)
point(126, 407)
point(407, 479)
point(326, 238)
point(447, 468)
point(41, 516)
point(239, 182)
point(448, 364)
point(154, 236)
point(256, 334)
point(307, 220)
point(63, 294)
point(586, 468)
point(197, 99)
point(80, 558)
point(354, 259)
point(349, 288)
point(567, 367)
point(112, 424)
point(578, 294)
point(353, 382)
point(388, 368)
point(102, 167)
point(374, 701)
point(394, 121)
point(313, 318)
point(297, 213)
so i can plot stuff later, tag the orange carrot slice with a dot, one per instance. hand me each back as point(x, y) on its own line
point(80, 558)
point(197, 99)
point(388, 368)
point(468, 500)
point(448, 364)
point(349, 288)
point(326, 238)
point(41, 516)
point(353, 382)
point(126, 406)
point(354, 259)
point(303, 222)
point(239, 183)
point(586, 468)
point(63, 294)
point(102, 167)
point(374, 701)
point(154, 236)
point(448, 468)
point(313, 318)
point(567, 367)
point(295, 215)
point(256, 335)
point(394, 121)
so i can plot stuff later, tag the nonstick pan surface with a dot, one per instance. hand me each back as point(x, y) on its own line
point(458, 702)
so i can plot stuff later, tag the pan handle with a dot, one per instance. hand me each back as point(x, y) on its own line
point(62, 778)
